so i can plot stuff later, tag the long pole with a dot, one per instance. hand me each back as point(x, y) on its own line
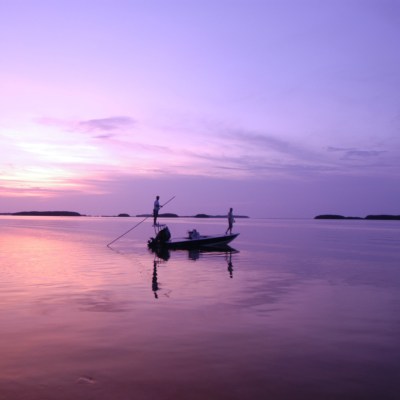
point(119, 237)
point(168, 201)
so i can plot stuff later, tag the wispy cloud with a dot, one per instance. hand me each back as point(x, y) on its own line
point(250, 153)
point(261, 141)
point(364, 153)
point(258, 153)
point(207, 149)
point(104, 127)
point(354, 153)
point(263, 144)
point(333, 149)
point(105, 136)
point(106, 124)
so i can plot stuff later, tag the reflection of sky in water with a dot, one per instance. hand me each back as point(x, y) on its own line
point(300, 309)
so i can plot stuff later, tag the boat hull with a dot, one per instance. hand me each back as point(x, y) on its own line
point(215, 241)
point(202, 241)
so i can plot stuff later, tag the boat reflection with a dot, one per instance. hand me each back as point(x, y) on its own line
point(162, 255)
point(194, 254)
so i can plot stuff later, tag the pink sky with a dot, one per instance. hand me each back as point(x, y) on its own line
point(275, 108)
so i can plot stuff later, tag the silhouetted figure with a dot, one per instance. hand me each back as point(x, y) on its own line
point(156, 209)
point(154, 283)
point(231, 220)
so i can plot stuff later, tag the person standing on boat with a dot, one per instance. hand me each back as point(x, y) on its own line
point(156, 209)
point(231, 220)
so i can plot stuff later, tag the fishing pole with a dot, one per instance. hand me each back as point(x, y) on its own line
point(168, 201)
point(119, 237)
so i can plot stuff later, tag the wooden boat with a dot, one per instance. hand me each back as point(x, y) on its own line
point(192, 241)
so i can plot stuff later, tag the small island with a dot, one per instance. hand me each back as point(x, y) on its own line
point(165, 215)
point(382, 217)
point(217, 216)
point(48, 213)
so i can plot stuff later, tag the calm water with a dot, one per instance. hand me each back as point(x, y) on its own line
point(302, 309)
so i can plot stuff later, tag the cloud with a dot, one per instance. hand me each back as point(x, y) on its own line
point(106, 124)
point(353, 153)
point(261, 141)
point(50, 121)
point(266, 146)
point(256, 154)
point(105, 136)
point(338, 149)
point(228, 151)
point(248, 165)
point(364, 153)
point(261, 153)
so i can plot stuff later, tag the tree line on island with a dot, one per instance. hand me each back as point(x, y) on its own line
point(379, 217)
point(47, 213)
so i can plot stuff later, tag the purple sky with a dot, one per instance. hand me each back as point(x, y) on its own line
point(277, 108)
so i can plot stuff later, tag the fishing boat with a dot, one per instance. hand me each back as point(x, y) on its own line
point(192, 241)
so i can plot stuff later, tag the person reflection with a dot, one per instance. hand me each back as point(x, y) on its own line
point(230, 265)
point(154, 283)
point(194, 254)
point(160, 256)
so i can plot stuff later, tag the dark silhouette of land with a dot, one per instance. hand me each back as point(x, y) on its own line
point(217, 216)
point(165, 215)
point(48, 213)
point(381, 217)
point(171, 215)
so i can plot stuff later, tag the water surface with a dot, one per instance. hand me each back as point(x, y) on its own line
point(299, 309)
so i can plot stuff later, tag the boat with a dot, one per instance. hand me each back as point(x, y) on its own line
point(193, 241)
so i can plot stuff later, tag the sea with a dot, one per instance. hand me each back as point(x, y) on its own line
point(295, 309)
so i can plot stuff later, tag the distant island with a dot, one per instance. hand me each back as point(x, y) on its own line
point(165, 215)
point(48, 213)
point(217, 216)
point(379, 217)
point(382, 217)
point(171, 215)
